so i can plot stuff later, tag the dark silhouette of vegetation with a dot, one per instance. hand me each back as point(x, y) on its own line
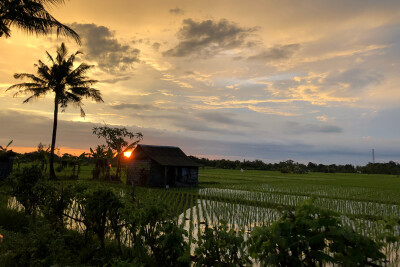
point(5, 153)
point(68, 84)
point(290, 166)
point(32, 17)
point(115, 139)
point(101, 157)
point(23, 186)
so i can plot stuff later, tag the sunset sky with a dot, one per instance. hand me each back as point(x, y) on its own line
point(272, 80)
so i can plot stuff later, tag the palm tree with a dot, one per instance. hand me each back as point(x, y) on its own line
point(32, 17)
point(68, 85)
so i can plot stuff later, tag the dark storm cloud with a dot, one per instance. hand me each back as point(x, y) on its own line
point(208, 38)
point(176, 11)
point(223, 118)
point(100, 45)
point(277, 52)
point(297, 128)
point(133, 106)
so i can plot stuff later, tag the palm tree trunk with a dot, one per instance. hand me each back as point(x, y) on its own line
point(53, 140)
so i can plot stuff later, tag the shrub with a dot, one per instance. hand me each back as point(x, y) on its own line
point(311, 236)
point(162, 237)
point(40, 246)
point(24, 187)
point(221, 246)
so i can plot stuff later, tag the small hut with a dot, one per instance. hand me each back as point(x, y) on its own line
point(161, 166)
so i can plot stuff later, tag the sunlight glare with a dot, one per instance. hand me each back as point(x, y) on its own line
point(128, 154)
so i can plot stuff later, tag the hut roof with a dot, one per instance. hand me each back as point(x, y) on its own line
point(167, 155)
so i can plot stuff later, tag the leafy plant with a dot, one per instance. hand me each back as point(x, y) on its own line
point(221, 246)
point(161, 235)
point(311, 236)
point(98, 208)
point(24, 187)
point(54, 201)
point(5, 153)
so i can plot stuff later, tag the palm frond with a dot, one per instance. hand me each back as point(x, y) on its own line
point(29, 76)
point(50, 57)
point(95, 95)
point(72, 57)
point(81, 70)
point(50, 2)
point(83, 114)
point(32, 17)
point(61, 53)
point(35, 95)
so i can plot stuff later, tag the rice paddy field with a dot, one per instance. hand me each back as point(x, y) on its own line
point(255, 198)
point(252, 198)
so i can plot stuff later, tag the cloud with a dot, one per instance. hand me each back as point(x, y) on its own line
point(196, 126)
point(177, 11)
point(101, 46)
point(115, 80)
point(69, 134)
point(156, 46)
point(208, 38)
point(353, 80)
point(297, 128)
point(277, 52)
point(223, 118)
point(134, 106)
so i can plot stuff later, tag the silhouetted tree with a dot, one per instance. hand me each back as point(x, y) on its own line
point(69, 86)
point(115, 139)
point(32, 17)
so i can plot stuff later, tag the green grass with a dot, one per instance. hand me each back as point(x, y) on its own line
point(364, 187)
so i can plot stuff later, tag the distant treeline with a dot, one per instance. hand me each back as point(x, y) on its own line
point(290, 166)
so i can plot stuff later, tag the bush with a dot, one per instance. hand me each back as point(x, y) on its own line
point(13, 220)
point(161, 236)
point(23, 186)
point(311, 236)
point(40, 246)
point(59, 168)
point(221, 247)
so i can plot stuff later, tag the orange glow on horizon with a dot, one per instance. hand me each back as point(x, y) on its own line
point(72, 151)
point(128, 154)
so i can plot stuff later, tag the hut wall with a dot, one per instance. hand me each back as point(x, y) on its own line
point(139, 171)
point(157, 175)
point(194, 176)
point(189, 177)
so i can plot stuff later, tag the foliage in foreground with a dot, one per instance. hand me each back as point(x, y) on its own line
point(308, 236)
point(221, 246)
